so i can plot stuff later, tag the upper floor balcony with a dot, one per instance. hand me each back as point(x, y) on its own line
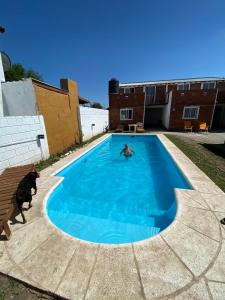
point(156, 98)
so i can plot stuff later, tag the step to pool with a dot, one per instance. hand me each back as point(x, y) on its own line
point(102, 230)
point(114, 216)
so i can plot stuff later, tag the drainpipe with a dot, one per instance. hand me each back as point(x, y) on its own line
point(144, 111)
point(214, 108)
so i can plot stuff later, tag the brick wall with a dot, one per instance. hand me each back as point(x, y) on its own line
point(18, 141)
point(118, 101)
point(204, 99)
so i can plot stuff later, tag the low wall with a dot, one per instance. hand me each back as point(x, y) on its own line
point(18, 141)
point(90, 116)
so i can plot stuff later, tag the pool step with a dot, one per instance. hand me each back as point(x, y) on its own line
point(101, 230)
point(156, 212)
point(132, 219)
point(114, 216)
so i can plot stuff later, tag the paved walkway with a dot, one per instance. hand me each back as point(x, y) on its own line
point(208, 138)
point(185, 261)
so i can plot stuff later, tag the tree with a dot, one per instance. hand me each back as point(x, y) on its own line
point(96, 105)
point(33, 74)
point(18, 72)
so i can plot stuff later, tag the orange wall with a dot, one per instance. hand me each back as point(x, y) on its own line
point(60, 111)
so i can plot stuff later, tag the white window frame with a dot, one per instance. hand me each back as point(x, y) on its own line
point(128, 90)
point(208, 82)
point(189, 107)
point(179, 84)
point(126, 109)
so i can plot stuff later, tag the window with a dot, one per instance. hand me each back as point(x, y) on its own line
point(208, 85)
point(183, 87)
point(150, 90)
point(129, 90)
point(126, 114)
point(190, 112)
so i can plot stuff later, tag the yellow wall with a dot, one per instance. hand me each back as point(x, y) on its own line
point(60, 111)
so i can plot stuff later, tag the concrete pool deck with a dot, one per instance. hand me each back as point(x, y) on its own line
point(185, 261)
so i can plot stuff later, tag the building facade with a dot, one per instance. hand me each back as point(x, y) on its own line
point(58, 106)
point(168, 104)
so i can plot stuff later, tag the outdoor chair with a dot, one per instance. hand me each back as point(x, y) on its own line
point(140, 127)
point(188, 126)
point(120, 128)
point(203, 127)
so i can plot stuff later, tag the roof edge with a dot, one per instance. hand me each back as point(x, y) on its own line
point(181, 80)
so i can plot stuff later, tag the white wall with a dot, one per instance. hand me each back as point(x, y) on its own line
point(18, 141)
point(166, 112)
point(19, 98)
point(89, 116)
point(2, 78)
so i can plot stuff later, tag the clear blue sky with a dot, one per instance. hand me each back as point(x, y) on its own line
point(92, 41)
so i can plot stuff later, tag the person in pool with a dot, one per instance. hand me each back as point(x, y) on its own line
point(127, 151)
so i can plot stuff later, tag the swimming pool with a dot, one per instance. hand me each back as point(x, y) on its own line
point(108, 198)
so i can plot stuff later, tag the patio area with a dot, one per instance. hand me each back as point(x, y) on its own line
point(185, 261)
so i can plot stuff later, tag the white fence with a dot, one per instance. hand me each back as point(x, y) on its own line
point(93, 121)
point(19, 144)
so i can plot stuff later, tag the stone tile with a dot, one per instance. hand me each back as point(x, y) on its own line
point(197, 291)
point(75, 280)
point(47, 263)
point(26, 239)
point(115, 275)
point(216, 202)
point(204, 186)
point(47, 172)
point(217, 290)
point(201, 220)
point(30, 217)
point(191, 198)
point(5, 263)
point(162, 273)
point(195, 249)
point(18, 273)
point(217, 271)
point(220, 216)
point(47, 182)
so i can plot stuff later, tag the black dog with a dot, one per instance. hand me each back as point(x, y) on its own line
point(23, 193)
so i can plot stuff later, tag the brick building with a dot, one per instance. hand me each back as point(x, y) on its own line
point(168, 103)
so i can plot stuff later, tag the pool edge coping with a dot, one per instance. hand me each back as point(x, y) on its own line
point(50, 188)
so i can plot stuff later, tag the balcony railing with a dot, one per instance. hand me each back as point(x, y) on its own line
point(151, 99)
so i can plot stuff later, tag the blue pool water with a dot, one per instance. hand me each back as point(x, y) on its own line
point(108, 198)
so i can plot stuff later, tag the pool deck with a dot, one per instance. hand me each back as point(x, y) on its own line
point(185, 261)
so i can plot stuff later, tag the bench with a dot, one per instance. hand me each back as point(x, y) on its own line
point(9, 181)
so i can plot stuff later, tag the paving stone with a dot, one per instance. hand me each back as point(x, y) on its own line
point(206, 186)
point(217, 290)
point(75, 280)
point(18, 273)
point(5, 263)
point(191, 198)
point(197, 291)
point(47, 263)
point(217, 272)
point(47, 182)
point(216, 202)
point(26, 239)
point(195, 249)
point(220, 216)
point(162, 273)
point(115, 275)
point(200, 219)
